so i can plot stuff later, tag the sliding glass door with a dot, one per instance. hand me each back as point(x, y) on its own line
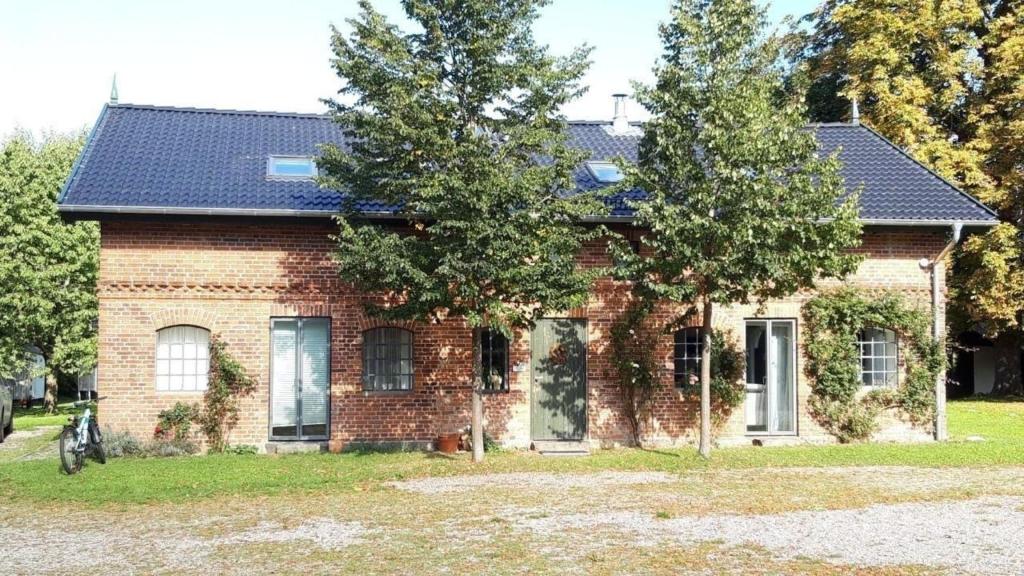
point(771, 377)
point(300, 375)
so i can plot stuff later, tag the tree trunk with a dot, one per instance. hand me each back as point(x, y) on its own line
point(50, 393)
point(478, 399)
point(705, 380)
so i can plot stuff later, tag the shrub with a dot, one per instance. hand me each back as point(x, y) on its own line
point(175, 423)
point(124, 445)
point(228, 382)
point(241, 449)
point(120, 444)
point(168, 448)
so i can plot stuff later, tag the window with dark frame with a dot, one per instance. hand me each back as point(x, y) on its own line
point(687, 357)
point(494, 360)
point(387, 360)
point(879, 353)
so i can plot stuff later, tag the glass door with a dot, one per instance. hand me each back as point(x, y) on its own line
point(300, 378)
point(771, 377)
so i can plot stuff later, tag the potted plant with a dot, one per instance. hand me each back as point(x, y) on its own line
point(447, 441)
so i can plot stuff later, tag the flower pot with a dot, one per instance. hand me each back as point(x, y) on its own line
point(448, 443)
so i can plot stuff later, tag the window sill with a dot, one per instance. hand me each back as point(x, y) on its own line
point(386, 392)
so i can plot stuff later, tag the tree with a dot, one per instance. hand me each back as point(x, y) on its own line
point(741, 208)
point(910, 65)
point(457, 126)
point(944, 81)
point(47, 268)
point(990, 270)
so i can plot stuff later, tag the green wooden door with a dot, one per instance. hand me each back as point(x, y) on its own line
point(559, 375)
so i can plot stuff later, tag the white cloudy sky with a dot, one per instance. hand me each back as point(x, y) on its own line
point(57, 56)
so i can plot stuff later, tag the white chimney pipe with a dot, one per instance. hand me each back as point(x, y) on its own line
point(620, 123)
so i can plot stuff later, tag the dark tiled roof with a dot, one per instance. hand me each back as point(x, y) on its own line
point(174, 160)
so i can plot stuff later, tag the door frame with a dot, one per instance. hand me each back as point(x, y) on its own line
point(586, 381)
point(795, 349)
point(298, 372)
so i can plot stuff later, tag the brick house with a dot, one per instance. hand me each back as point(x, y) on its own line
point(211, 224)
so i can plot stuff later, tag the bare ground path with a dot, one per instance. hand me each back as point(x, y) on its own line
point(37, 443)
point(868, 520)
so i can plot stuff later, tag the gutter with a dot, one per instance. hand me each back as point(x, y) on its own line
point(276, 212)
point(938, 329)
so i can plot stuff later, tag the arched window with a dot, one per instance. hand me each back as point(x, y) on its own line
point(182, 359)
point(878, 356)
point(687, 356)
point(387, 359)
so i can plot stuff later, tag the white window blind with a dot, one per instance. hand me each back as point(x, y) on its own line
point(315, 374)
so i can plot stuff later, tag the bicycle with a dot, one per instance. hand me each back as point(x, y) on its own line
point(81, 436)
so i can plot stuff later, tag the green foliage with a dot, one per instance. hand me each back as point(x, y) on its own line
point(633, 346)
point(242, 449)
point(176, 422)
point(47, 268)
point(740, 206)
point(448, 124)
point(728, 364)
point(941, 79)
point(228, 381)
point(832, 321)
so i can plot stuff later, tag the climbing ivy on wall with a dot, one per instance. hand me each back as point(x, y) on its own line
point(832, 321)
point(634, 342)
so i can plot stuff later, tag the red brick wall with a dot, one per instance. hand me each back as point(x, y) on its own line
point(233, 278)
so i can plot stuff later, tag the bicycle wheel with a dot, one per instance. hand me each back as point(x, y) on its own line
point(96, 441)
point(70, 455)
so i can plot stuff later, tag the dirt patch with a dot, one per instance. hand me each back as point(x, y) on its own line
point(532, 480)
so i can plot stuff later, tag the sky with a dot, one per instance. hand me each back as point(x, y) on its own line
point(58, 57)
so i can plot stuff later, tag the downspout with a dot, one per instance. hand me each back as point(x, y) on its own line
point(938, 328)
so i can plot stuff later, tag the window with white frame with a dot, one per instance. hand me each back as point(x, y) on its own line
point(605, 172)
point(878, 356)
point(291, 167)
point(687, 356)
point(387, 360)
point(182, 359)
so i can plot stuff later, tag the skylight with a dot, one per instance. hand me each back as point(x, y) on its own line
point(291, 167)
point(605, 172)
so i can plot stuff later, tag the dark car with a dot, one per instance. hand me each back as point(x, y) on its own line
point(6, 410)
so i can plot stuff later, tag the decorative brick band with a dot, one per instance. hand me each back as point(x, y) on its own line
point(365, 323)
point(204, 318)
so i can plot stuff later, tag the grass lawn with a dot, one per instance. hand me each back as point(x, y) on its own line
point(36, 416)
point(1000, 423)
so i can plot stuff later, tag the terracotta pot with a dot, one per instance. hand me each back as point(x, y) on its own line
point(448, 443)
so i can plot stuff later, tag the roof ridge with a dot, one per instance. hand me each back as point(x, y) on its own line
point(317, 115)
point(231, 111)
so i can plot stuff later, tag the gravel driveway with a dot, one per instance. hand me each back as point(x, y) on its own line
point(981, 536)
point(550, 523)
